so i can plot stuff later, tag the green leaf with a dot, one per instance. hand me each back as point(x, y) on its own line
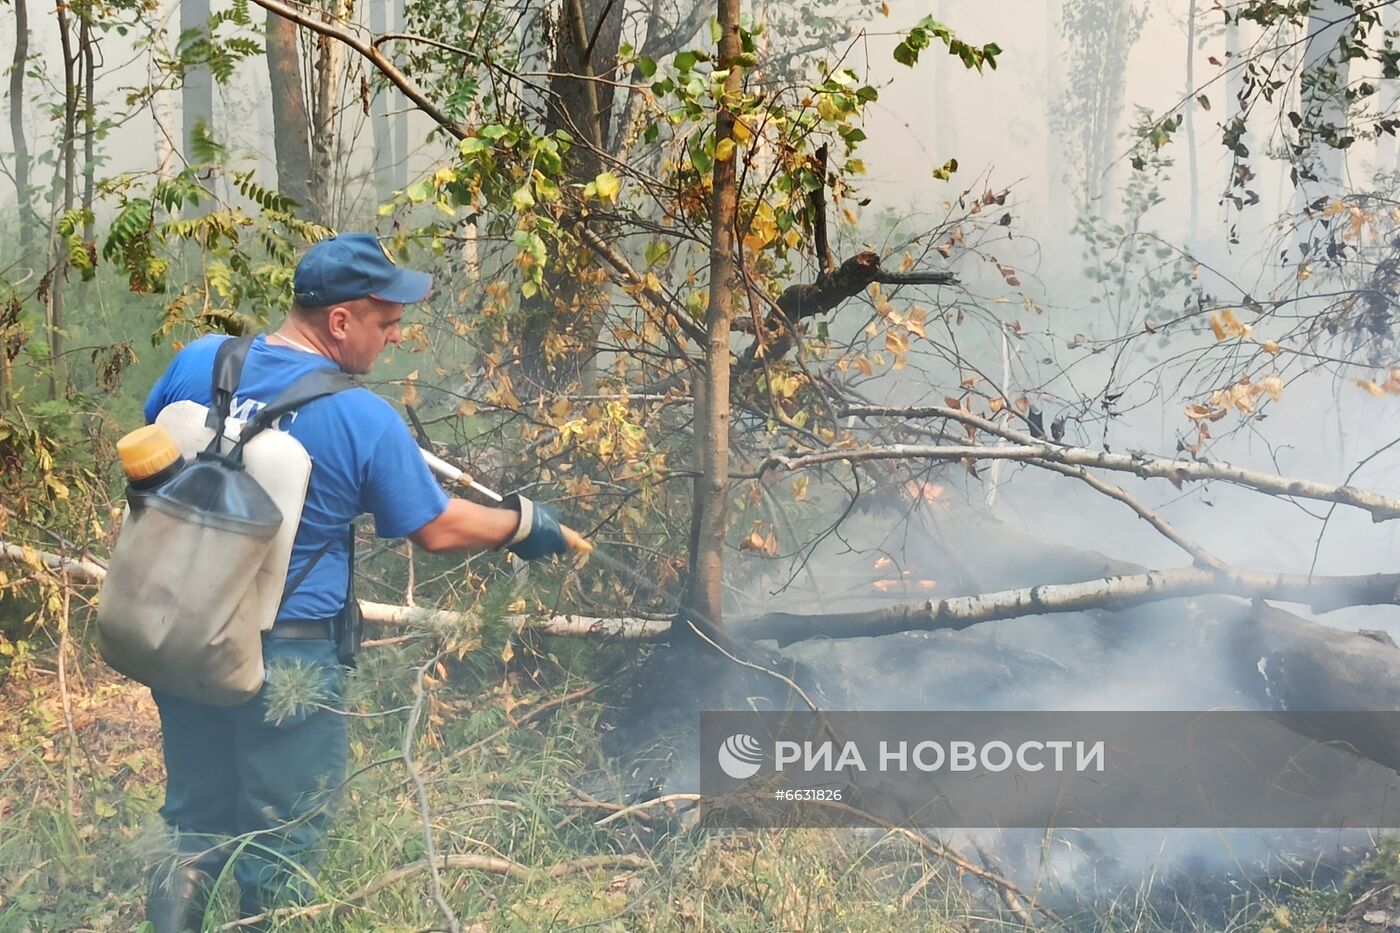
point(686, 61)
point(656, 251)
point(494, 131)
point(522, 199)
point(646, 66)
point(701, 159)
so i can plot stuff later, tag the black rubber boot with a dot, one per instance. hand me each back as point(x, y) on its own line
point(176, 899)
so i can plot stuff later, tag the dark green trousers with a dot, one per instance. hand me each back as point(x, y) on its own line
point(240, 786)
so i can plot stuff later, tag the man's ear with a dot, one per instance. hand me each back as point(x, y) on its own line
point(337, 320)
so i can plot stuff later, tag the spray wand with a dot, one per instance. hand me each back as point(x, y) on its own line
point(447, 471)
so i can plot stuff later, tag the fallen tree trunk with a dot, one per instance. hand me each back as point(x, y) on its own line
point(1120, 592)
point(570, 626)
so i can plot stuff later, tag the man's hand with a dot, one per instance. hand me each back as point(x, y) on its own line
point(539, 534)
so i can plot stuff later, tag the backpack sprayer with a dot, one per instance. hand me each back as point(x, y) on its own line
point(447, 471)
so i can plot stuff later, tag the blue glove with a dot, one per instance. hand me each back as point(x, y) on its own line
point(539, 534)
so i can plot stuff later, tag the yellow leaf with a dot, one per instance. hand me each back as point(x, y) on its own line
point(1271, 347)
point(1217, 328)
point(741, 131)
point(1274, 386)
point(799, 488)
point(1371, 387)
point(608, 186)
point(884, 9)
point(996, 405)
point(724, 150)
point(516, 605)
point(507, 653)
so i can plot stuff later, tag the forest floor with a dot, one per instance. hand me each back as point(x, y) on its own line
point(79, 794)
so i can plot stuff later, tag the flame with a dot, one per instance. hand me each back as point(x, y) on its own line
point(922, 491)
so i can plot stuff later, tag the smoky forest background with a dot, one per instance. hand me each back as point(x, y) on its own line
point(996, 355)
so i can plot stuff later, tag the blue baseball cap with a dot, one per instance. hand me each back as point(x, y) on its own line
point(353, 266)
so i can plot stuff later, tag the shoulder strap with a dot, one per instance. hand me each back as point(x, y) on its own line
point(228, 369)
point(291, 585)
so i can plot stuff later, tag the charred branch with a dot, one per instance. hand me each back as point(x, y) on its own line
point(818, 201)
point(828, 292)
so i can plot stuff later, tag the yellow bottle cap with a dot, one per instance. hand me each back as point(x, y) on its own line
point(146, 451)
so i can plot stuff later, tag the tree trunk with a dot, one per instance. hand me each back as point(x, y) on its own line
point(399, 104)
point(166, 131)
point(66, 168)
point(1390, 98)
point(18, 65)
point(197, 91)
point(586, 46)
point(1054, 161)
point(1112, 593)
point(290, 125)
point(323, 121)
point(383, 165)
point(703, 605)
point(1324, 80)
point(1192, 170)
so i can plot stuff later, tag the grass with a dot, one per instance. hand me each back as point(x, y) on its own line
point(78, 864)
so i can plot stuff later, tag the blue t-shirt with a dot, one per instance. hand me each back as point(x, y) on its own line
point(363, 460)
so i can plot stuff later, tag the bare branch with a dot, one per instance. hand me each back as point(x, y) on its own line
point(1199, 555)
point(1381, 508)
